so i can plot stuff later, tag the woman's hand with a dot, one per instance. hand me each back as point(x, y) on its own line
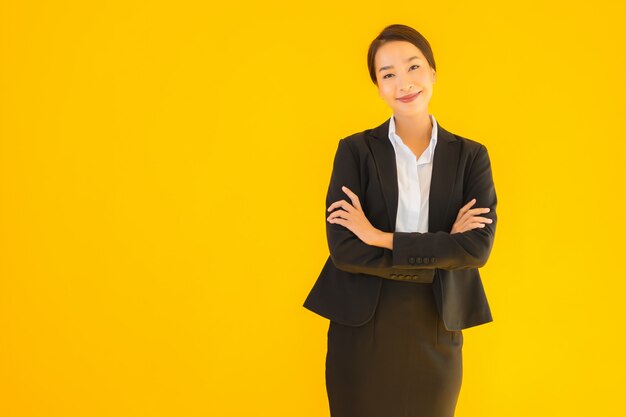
point(467, 219)
point(351, 216)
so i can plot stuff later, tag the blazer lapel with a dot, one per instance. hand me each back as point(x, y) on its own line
point(443, 179)
point(445, 164)
point(385, 158)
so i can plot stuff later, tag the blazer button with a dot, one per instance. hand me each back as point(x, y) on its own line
point(411, 260)
point(419, 260)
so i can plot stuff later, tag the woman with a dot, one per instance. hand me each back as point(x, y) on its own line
point(402, 280)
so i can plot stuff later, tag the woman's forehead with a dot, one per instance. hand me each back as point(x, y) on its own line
point(398, 51)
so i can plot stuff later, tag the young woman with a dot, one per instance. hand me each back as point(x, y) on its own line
point(406, 242)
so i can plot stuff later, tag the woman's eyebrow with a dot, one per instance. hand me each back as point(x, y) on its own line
point(391, 66)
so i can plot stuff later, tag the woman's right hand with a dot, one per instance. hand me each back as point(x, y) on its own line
point(467, 219)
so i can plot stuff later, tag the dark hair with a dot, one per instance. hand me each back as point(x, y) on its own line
point(398, 33)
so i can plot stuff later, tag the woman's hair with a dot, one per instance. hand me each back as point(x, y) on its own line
point(398, 33)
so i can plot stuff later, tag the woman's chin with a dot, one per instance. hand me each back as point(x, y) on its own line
point(410, 110)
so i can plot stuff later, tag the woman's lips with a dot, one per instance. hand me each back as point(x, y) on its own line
point(408, 99)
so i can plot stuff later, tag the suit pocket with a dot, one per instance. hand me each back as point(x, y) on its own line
point(457, 338)
point(448, 337)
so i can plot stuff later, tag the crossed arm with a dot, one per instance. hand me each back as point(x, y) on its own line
point(356, 246)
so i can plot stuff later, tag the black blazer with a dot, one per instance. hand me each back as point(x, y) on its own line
point(348, 286)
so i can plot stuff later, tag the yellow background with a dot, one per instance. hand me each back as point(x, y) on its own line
point(163, 170)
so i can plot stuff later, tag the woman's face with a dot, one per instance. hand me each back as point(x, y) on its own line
point(402, 70)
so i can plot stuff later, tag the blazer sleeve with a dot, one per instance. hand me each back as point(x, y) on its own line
point(348, 252)
point(465, 250)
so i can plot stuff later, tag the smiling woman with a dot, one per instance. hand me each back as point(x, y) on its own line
point(402, 280)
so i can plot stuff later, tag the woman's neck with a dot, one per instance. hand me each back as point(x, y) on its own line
point(414, 129)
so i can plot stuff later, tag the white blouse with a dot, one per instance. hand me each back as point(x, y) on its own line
point(414, 176)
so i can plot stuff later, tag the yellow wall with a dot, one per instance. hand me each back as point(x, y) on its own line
point(163, 170)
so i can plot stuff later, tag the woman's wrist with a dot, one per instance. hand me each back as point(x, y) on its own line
point(383, 240)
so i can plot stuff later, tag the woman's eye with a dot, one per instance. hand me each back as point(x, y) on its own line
point(385, 76)
point(416, 66)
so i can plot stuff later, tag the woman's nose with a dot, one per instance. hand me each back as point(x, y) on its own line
point(405, 84)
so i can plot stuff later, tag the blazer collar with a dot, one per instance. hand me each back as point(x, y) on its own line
point(445, 162)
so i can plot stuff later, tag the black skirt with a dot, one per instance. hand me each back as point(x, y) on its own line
point(402, 363)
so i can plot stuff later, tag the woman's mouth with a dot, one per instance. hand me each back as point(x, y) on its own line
point(408, 98)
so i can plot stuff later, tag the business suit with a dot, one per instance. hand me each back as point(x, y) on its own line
point(348, 287)
point(394, 339)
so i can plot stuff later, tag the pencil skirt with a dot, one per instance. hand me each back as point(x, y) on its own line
point(401, 363)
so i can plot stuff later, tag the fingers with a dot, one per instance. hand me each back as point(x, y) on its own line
point(482, 219)
point(475, 219)
point(466, 207)
point(343, 204)
point(468, 219)
point(353, 197)
point(339, 221)
point(479, 210)
point(356, 203)
point(475, 225)
point(338, 214)
point(473, 212)
point(474, 222)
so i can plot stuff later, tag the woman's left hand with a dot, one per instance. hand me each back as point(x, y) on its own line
point(352, 217)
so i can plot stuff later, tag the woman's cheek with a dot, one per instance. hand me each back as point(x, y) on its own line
point(386, 91)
